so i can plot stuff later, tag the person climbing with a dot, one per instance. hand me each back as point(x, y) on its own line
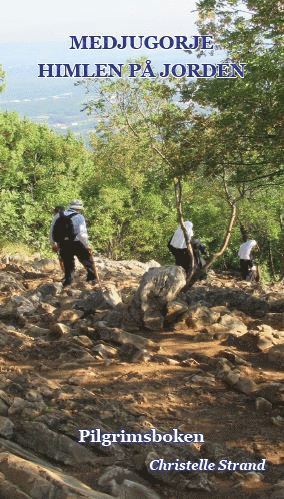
point(69, 237)
point(246, 262)
point(178, 248)
point(57, 210)
point(199, 251)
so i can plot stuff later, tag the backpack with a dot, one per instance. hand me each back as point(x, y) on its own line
point(63, 228)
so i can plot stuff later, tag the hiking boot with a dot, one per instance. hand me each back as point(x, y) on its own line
point(91, 278)
point(67, 282)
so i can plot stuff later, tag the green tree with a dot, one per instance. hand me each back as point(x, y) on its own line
point(38, 170)
point(242, 119)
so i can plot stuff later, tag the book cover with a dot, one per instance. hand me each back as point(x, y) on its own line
point(141, 249)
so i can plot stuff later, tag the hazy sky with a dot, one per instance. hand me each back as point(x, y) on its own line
point(54, 20)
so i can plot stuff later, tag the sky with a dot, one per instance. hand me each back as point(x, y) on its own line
point(27, 21)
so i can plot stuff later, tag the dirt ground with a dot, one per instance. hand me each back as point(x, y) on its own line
point(161, 395)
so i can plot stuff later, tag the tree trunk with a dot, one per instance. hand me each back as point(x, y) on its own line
point(226, 238)
point(178, 194)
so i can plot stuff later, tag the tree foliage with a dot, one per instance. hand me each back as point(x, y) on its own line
point(38, 170)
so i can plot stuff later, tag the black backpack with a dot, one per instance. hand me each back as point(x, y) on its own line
point(63, 228)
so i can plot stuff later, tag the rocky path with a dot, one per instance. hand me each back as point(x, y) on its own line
point(138, 357)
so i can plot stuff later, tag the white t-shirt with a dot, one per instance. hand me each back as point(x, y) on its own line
point(245, 249)
point(178, 239)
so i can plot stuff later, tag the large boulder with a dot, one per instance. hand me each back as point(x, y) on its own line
point(60, 448)
point(158, 287)
point(21, 479)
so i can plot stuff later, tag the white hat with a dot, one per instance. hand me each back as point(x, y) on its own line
point(76, 205)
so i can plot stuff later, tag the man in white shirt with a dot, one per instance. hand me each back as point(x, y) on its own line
point(177, 246)
point(244, 254)
point(69, 237)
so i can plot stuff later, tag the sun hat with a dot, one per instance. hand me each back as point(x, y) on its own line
point(76, 204)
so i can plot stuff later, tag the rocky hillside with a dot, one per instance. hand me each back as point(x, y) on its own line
point(136, 354)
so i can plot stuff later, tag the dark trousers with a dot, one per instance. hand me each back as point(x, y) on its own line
point(68, 251)
point(245, 266)
point(182, 258)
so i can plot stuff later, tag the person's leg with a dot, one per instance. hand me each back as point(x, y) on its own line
point(85, 259)
point(244, 267)
point(178, 254)
point(67, 257)
point(189, 264)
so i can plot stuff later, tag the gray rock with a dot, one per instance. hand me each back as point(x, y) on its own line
point(70, 315)
point(123, 483)
point(200, 316)
point(233, 325)
point(39, 438)
point(9, 282)
point(17, 406)
point(105, 351)
point(7, 399)
point(277, 490)
point(263, 405)
point(176, 311)
point(121, 337)
point(106, 298)
point(26, 479)
point(110, 295)
point(234, 358)
point(36, 331)
point(275, 320)
point(46, 265)
point(17, 306)
point(83, 340)
point(133, 490)
point(6, 427)
point(276, 354)
point(114, 317)
point(273, 392)
point(276, 302)
point(52, 289)
point(236, 380)
point(245, 385)
point(158, 287)
point(59, 329)
point(4, 338)
point(216, 294)
point(3, 408)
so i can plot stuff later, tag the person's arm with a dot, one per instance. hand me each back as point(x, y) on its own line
point(82, 233)
point(52, 242)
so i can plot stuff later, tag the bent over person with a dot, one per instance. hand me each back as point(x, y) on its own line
point(245, 257)
point(69, 237)
point(178, 248)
